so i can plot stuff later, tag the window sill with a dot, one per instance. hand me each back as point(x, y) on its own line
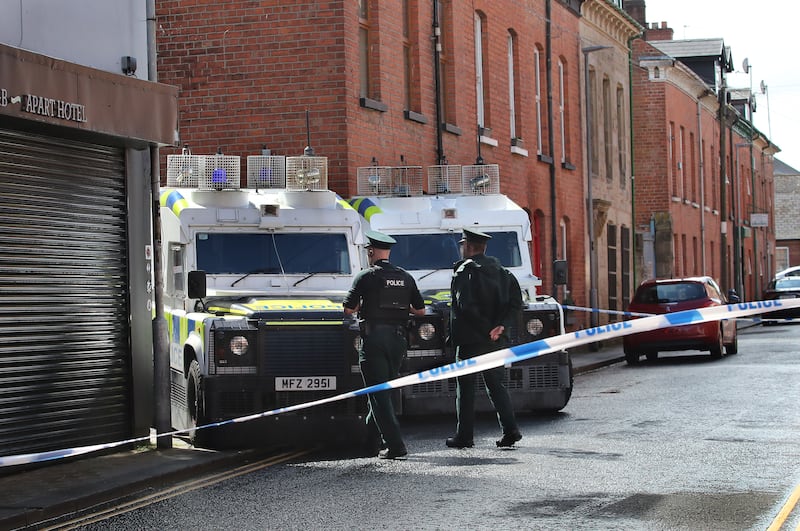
point(516, 150)
point(450, 128)
point(544, 158)
point(414, 117)
point(375, 105)
point(489, 141)
point(567, 165)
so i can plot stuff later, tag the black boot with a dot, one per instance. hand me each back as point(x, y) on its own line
point(458, 442)
point(508, 439)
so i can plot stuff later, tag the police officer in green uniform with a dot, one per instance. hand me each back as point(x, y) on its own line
point(383, 295)
point(486, 302)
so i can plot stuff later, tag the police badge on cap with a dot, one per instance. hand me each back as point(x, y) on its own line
point(475, 236)
point(379, 240)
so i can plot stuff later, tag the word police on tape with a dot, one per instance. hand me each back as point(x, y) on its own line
point(503, 357)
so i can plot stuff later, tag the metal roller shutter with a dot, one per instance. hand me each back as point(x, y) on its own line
point(64, 333)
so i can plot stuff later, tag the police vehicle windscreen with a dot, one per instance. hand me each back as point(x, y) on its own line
point(286, 253)
point(441, 250)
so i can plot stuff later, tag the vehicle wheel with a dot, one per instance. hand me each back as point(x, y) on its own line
point(194, 401)
point(632, 358)
point(733, 348)
point(652, 355)
point(716, 349)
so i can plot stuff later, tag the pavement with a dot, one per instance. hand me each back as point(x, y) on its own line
point(51, 495)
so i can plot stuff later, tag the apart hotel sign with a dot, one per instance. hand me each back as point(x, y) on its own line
point(47, 91)
point(43, 106)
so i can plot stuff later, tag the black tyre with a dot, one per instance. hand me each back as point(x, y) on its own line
point(632, 358)
point(194, 401)
point(733, 348)
point(716, 349)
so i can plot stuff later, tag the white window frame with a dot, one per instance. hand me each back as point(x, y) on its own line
point(512, 119)
point(538, 93)
point(561, 112)
point(479, 72)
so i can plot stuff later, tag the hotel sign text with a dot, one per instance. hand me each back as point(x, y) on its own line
point(41, 106)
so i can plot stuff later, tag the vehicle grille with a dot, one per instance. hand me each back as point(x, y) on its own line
point(236, 403)
point(534, 377)
point(304, 351)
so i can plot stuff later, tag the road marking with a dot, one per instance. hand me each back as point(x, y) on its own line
point(785, 511)
point(177, 490)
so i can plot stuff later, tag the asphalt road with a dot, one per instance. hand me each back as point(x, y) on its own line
point(683, 443)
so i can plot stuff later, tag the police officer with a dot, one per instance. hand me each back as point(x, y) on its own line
point(383, 295)
point(486, 302)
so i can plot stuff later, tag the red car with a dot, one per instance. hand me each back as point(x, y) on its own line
point(675, 295)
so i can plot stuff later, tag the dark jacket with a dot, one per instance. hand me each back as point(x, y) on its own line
point(484, 295)
point(384, 292)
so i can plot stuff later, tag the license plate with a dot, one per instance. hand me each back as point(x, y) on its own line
point(305, 383)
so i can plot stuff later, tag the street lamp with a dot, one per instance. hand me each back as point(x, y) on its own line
point(590, 206)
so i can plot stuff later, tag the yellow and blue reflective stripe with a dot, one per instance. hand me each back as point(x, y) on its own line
point(179, 327)
point(343, 203)
point(173, 200)
point(365, 206)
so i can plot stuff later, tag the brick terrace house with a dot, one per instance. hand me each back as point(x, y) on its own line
point(787, 216)
point(392, 82)
point(702, 169)
point(606, 34)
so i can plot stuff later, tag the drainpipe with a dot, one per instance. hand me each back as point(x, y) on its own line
point(757, 272)
point(550, 140)
point(161, 386)
point(723, 192)
point(702, 186)
point(437, 50)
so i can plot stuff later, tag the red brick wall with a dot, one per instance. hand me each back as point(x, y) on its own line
point(248, 71)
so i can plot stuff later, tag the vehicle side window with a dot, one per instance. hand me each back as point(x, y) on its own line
point(175, 270)
point(647, 295)
point(713, 291)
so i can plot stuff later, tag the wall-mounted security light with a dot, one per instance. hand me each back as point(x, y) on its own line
point(128, 65)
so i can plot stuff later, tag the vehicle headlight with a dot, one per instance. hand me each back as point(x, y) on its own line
point(239, 345)
point(426, 331)
point(534, 326)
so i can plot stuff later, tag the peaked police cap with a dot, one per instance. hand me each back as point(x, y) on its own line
point(379, 240)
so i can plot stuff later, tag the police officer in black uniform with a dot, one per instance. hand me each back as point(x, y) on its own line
point(486, 301)
point(383, 295)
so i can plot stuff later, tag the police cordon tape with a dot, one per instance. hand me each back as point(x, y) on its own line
point(498, 358)
point(638, 314)
point(609, 312)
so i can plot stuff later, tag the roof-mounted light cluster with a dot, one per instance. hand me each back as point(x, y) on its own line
point(222, 172)
point(205, 172)
point(403, 181)
point(307, 172)
point(266, 171)
point(444, 179)
point(480, 179)
point(398, 181)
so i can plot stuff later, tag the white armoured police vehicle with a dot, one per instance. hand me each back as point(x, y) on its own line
point(428, 227)
point(254, 282)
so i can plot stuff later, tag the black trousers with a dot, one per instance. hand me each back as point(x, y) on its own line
point(380, 358)
point(498, 394)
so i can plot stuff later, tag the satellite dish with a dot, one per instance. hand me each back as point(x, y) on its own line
point(763, 87)
point(746, 65)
